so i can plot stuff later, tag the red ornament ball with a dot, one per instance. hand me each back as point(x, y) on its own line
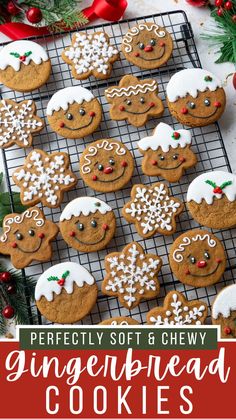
point(234, 18)
point(12, 8)
point(5, 276)
point(197, 3)
point(228, 5)
point(11, 289)
point(34, 15)
point(220, 11)
point(8, 312)
point(219, 3)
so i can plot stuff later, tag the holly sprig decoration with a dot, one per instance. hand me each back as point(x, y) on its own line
point(17, 55)
point(60, 281)
point(218, 189)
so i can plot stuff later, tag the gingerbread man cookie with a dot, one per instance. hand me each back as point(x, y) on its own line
point(90, 54)
point(211, 199)
point(44, 178)
point(167, 153)
point(87, 224)
point(177, 311)
point(119, 321)
point(195, 97)
point(74, 112)
point(152, 210)
point(65, 293)
point(134, 100)
point(224, 311)
point(132, 275)
point(106, 165)
point(27, 237)
point(147, 45)
point(24, 66)
point(197, 258)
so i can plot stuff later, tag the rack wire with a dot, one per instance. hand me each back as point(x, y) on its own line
point(207, 144)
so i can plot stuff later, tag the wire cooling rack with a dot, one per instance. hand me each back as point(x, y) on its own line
point(207, 144)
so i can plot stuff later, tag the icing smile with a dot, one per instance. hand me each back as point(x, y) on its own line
point(139, 113)
point(112, 180)
point(62, 125)
point(204, 275)
point(90, 243)
point(32, 250)
point(170, 168)
point(155, 58)
point(203, 117)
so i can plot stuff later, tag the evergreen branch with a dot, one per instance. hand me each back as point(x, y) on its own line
point(209, 182)
point(66, 274)
point(53, 278)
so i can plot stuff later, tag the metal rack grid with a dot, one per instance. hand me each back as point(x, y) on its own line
point(207, 144)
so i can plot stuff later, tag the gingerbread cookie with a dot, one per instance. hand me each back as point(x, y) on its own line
point(90, 54)
point(197, 258)
point(211, 199)
point(87, 224)
point(106, 165)
point(195, 97)
point(132, 275)
point(27, 237)
point(24, 66)
point(167, 153)
point(152, 210)
point(44, 178)
point(177, 311)
point(119, 321)
point(18, 123)
point(224, 311)
point(134, 100)
point(65, 293)
point(147, 45)
point(74, 112)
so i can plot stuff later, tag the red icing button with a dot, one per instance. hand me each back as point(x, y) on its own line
point(72, 234)
point(151, 104)
point(14, 245)
point(182, 159)
point(154, 162)
point(22, 57)
point(162, 44)
point(94, 177)
point(218, 190)
point(122, 108)
point(92, 114)
point(184, 111)
point(217, 104)
point(61, 282)
point(201, 264)
point(218, 260)
point(176, 135)
point(148, 48)
point(227, 330)
point(124, 163)
point(108, 170)
point(105, 227)
point(136, 54)
point(41, 235)
point(61, 125)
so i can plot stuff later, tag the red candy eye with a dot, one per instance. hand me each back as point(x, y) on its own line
point(124, 163)
point(105, 227)
point(14, 245)
point(61, 124)
point(154, 162)
point(227, 330)
point(92, 114)
point(41, 235)
point(217, 104)
point(94, 177)
point(184, 111)
point(72, 234)
point(122, 108)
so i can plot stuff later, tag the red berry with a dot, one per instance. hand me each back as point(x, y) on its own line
point(220, 12)
point(12, 8)
point(234, 20)
point(218, 3)
point(217, 190)
point(22, 58)
point(34, 15)
point(227, 330)
point(11, 289)
point(228, 5)
point(61, 282)
point(5, 276)
point(8, 312)
point(176, 135)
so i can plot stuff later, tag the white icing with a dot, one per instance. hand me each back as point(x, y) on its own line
point(21, 47)
point(18, 219)
point(65, 97)
point(128, 38)
point(153, 208)
point(77, 275)
point(122, 323)
point(199, 189)
point(131, 89)
point(127, 270)
point(45, 177)
point(162, 137)
point(93, 149)
point(17, 121)
point(90, 52)
point(84, 205)
point(186, 241)
point(182, 314)
point(189, 82)
point(225, 302)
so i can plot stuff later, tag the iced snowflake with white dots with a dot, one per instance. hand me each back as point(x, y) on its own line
point(91, 52)
point(17, 123)
point(132, 275)
point(44, 177)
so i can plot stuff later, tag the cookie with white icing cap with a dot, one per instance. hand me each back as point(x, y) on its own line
point(167, 152)
point(65, 293)
point(27, 237)
point(197, 258)
point(134, 100)
point(87, 224)
point(152, 210)
point(131, 275)
point(90, 55)
point(177, 311)
point(211, 199)
point(223, 311)
point(195, 97)
point(119, 321)
point(24, 66)
point(44, 178)
point(147, 45)
point(106, 165)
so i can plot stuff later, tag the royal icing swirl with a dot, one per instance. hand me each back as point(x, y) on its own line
point(84, 205)
point(186, 241)
point(92, 151)
point(132, 89)
point(128, 38)
point(36, 53)
point(225, 302)
point(19, 218)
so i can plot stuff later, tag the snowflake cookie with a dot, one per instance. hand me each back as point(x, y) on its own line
point(18, 123)
point(178, 311)
point(44, 178)
point(90, 54)
point(132, 275)
point(152, 210)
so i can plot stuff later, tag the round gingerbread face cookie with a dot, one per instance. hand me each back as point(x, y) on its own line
point(119, 321)
point(167, 153)
point(74, 112)
point(195, 97)
point(134, 100)
point(87, 224)
point(147, 45)
point(65, 293)
point(24, 66)
point(211, 199)
point(224, 311)
point(197, 258)
point(106, 165)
